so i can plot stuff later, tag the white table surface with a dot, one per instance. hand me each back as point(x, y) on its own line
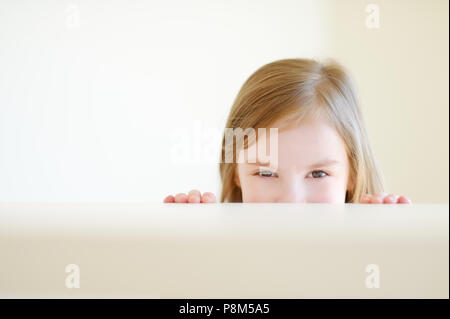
point(224, 250)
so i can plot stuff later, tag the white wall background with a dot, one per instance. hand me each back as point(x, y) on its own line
point(402, 72)
point(94, 94)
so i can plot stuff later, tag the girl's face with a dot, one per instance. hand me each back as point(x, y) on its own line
point(312, 167)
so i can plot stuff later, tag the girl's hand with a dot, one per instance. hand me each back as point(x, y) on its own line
point(384, 198)
point(193, 196)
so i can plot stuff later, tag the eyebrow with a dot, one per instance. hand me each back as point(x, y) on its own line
point(322, 163)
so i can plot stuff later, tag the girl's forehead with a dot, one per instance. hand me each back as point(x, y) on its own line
point(302, 145)
point(307, 136)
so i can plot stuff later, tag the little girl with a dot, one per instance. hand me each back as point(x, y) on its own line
point(323, 150)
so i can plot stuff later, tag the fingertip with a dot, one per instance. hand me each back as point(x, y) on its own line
point(169, 199)
point(390, 199)
point(208, 197)
point(194, 196)
point(194, 192)
point(194, 199)
point(365, 199)
point(181, 198)
point(377, 199)
point(403, 200)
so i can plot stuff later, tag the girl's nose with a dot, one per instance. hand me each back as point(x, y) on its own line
point(292, 192)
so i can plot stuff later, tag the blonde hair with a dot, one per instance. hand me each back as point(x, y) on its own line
point(293, 90)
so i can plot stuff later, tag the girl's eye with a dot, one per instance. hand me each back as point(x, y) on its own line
point(318, 174)
point(265, 174)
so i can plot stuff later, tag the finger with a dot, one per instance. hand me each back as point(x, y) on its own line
point(181, 198)
point(377, 199)
point(208, 197)
point(169, 199)
point(194, 196)
point(365, 199)
point(390, 199)
point(403, 200)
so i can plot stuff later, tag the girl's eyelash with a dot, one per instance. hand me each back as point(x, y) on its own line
point(259, 173)
point(326, 174)
point(267, 172)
